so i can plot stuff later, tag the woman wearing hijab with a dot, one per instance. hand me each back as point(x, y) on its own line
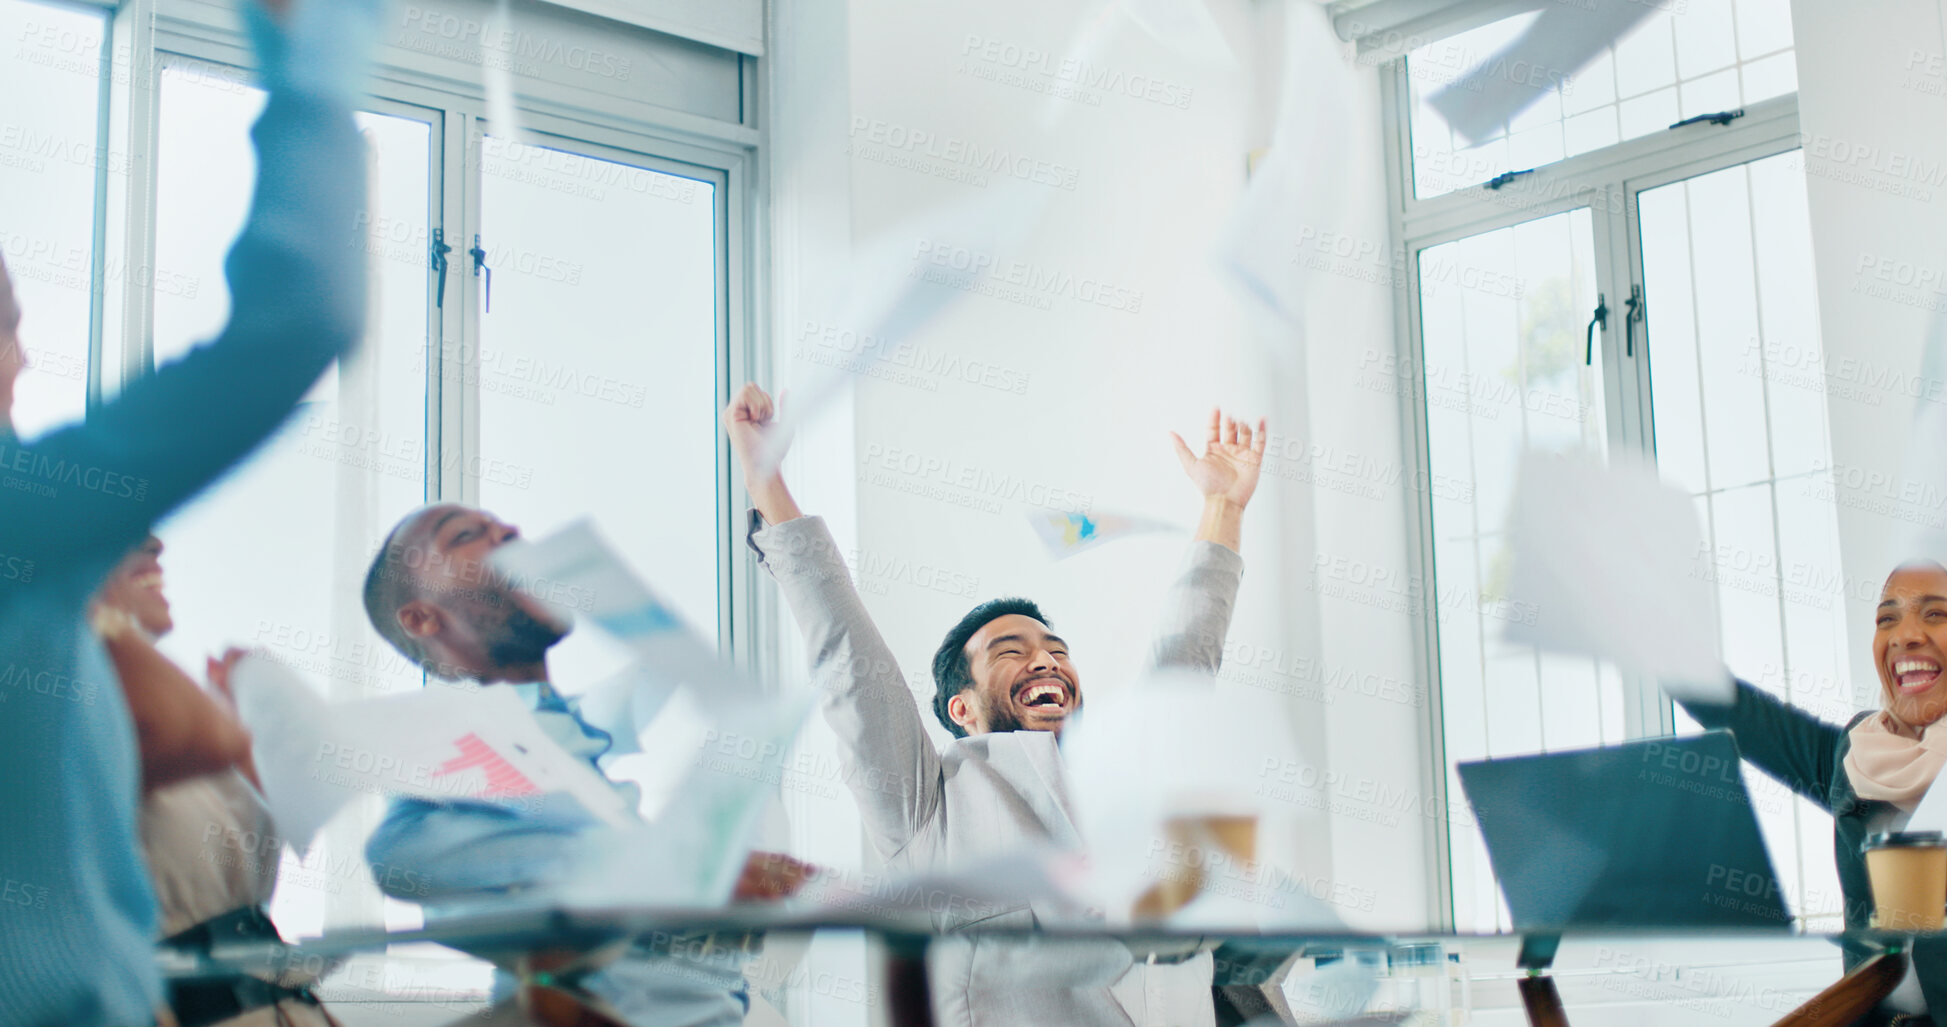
point(1871, 773)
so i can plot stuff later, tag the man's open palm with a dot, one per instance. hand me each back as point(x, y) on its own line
point(1232, 457)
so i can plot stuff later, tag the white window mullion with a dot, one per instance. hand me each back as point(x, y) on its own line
point(126, 316)
point(444, 311)
point(460, 360)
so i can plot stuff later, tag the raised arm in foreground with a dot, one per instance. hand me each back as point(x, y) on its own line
point(891, 766)
point(297, 285)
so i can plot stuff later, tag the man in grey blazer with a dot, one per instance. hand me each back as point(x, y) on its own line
point(1006, 687)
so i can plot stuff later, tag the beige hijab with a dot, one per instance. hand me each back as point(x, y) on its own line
point(1893, 761)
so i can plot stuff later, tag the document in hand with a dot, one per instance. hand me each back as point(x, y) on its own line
point(442, 742)
point(1609, 562)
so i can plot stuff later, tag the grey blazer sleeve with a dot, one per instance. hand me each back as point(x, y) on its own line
point(1196, 613)
point(890, 764)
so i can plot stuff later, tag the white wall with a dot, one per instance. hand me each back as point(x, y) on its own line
point(1143, 185)
point(808, 185)
point(1359, 469)
point(1873, 114)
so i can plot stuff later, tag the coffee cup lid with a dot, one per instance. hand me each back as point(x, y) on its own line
point(1904, 839)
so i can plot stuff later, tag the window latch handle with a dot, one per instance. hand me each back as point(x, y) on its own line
point(1505, 177)
point(438, 251)
point(1600, 320)
point(1719, 118)
point(1631, 318)
point(480, 264)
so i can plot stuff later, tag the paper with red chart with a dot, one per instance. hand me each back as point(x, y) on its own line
point(442, 742)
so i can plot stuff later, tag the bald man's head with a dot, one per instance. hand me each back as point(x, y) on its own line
point(433, 594)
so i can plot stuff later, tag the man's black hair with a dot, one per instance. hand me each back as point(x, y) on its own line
point(951, 674)
point(389, 585)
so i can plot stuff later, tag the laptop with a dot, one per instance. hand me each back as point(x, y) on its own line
point(1652, 833)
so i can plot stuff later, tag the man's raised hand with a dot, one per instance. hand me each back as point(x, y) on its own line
point(1232, 457)
point(1226, 474)
point(749, 420)
point(756, 437)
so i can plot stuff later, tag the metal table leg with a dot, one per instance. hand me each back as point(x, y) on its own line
point(909, 992)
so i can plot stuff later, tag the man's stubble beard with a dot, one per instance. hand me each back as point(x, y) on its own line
point(521, 638)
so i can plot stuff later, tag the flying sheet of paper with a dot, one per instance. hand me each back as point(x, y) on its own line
point(1292, 189)
point(624, 703)
point(1027, 875)
point(1184, 26)
point(1563, 40)
point(1172, 746)
point(1926, 458)
point(700, 836)
point(1066, 534)
point(1931, 814)
point(289, 726)
point(1610, 562)
point(909, 275)
point(497, 78)
point(313, 757)
point(579, 576)
point(699, 840)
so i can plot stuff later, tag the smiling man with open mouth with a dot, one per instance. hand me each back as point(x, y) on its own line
point(1001, 669)
point(1005, 690)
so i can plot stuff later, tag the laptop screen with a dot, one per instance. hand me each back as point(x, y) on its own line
point(1653, 833)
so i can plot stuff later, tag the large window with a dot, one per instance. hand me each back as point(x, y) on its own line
point(1504, 373)
point(1740, 425)
point(595, 289)
point(304, 510)
point(599, 358)
point(1695, 243)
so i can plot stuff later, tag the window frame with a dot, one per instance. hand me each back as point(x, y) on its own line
point(1606, 181)
point(613, 125)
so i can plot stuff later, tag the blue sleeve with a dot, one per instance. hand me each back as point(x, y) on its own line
point(432, 851)
point(297, 282)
